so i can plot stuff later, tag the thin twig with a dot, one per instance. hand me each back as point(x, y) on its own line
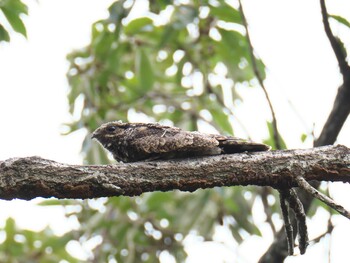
point(284, 193)
point(260, 79)
point(302, 183)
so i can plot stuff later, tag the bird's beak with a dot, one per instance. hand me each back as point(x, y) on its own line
point(94, 134)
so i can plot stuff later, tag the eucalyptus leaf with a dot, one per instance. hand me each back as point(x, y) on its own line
point(222, 119)
point(15, 20)
point(137, 25)
point(341, 20)
point(144, 71)
point(226, 13)
point(4, 35)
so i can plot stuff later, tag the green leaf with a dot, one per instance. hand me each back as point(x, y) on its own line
point(222, 120)
point(303, 137)
point(235, 233)
point(232, 49)
point(102, 42)
point(117, 11)
point(50, 202)
point(169, 34)
point(13, 17)
point(159, 5)
point(4, 35)
point(16, 6)
point(271, 140)
point(10, 228)
point(144, 71)
point(137, 25)
point(185, 15)
point(261, 68)
point(57, 202)
point(180, 65)
point(341, 20)
point(226, 13)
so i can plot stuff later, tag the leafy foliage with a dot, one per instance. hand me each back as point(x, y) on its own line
point(12, 11)
point(163, 65)
point(30, 246)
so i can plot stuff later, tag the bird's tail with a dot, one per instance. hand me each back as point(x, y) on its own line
point(230, 144)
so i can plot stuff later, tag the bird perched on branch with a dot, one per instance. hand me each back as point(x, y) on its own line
point(132, 142)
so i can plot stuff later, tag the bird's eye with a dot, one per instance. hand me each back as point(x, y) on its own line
point(111, 128)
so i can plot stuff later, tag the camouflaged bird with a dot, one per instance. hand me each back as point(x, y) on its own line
point(132, 142)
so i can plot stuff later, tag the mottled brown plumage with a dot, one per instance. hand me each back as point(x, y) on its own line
point(132, 142)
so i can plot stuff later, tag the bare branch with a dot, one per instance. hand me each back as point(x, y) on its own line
point(302, 183)
point(335, 43)
point(31, 177)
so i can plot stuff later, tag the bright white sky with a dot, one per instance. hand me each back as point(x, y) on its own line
point(288, 35)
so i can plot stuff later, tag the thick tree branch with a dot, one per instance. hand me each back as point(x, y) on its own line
point(31, 177)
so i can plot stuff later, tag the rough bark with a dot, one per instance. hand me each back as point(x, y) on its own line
point(31, 177)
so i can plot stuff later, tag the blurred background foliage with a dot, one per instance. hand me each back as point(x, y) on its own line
point(180, 64)
point(177, 65)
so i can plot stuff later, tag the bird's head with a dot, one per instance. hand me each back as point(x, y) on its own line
point(109, 132)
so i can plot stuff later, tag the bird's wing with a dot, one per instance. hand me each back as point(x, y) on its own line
point(174, 141)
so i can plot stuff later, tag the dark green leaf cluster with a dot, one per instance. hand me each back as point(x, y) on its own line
point(12, 11)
